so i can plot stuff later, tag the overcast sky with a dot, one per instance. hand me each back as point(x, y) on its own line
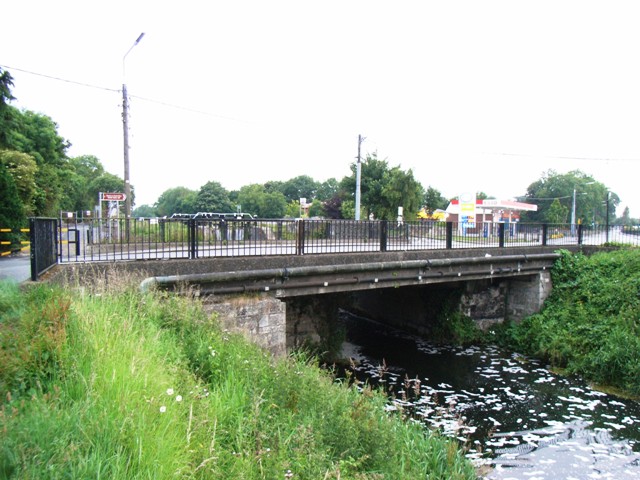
point(470, 95)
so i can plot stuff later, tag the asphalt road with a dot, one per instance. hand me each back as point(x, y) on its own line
point(15, 267)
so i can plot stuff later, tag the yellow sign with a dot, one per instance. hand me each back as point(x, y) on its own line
point(467, 208)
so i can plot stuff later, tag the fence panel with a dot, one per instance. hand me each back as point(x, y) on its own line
point(113, 239)
point(44, 245)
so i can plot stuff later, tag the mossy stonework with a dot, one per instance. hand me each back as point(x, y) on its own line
point(259, 317)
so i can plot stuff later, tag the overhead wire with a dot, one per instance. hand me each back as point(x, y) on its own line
point(119, 90)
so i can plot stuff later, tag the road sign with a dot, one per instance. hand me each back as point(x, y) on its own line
point(113, 197)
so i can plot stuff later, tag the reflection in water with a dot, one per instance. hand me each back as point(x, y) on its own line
point(508, 410)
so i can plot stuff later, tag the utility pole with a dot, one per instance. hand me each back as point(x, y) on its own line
point(125, 127)
point(358, 169)
point(573, 214)
point(607, 219)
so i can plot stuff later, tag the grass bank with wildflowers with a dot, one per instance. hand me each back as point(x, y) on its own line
point(590, 324)
point(123, 385)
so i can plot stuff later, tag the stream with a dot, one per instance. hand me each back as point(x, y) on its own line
point(515, 418)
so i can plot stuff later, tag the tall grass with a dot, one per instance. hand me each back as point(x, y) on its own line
point(122, 385)
point(590, 325)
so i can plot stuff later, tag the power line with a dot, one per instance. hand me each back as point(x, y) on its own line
point(187, 109)
point(51, 77)
point(559, 157)
point(98, 87)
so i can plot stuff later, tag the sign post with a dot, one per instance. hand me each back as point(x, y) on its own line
point(114, 200)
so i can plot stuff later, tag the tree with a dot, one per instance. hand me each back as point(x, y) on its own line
point(590, 197)
point(433, 200)
point(23, 170)
point(372, 180)
point(316, 209)
point(37, 136)
point(11, 209)
point(107, 182)
point(255, 199)
point(625, 219)
point(6, 83)
point(213, 197)
point(144, 211)
point(299, 187)
point(176, 200)
point(79, 174)
point(333, 207)
point(557, 213)
point(383, 190)
point(400, 190)
point(327, 189)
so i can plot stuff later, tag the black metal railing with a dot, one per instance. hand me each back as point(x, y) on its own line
point(117, 239)
point(43, 234)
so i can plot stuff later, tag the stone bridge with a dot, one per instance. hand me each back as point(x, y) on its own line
point(280, 302)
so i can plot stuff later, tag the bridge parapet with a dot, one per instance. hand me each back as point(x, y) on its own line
point(340, 277)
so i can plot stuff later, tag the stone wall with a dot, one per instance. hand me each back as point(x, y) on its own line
point(261, 318)
point(526, 295)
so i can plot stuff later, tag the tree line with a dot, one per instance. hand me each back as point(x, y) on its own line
point(383, 189)
point(38, 178)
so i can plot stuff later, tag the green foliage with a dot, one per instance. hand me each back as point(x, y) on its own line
point(213, 197)
point(177, 200)
point(150, 387)
point(401, 190)
point(452, 326)
point(433, 200)
point(145, 211)
point(11, 208)
point(299, 187)
point(85, 177)
point(557, 213)
point(23, 170)
point(261, 202)
point(383, 190)
point(316, 209)
point(327, 189)
point(590, 323)
point(553, 187)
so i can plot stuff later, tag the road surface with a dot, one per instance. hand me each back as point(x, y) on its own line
point(15, 267)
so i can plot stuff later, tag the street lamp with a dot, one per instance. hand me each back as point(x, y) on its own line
point(125, 128)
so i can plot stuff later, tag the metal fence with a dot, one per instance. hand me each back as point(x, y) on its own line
point(43, 234)
point(119, 239)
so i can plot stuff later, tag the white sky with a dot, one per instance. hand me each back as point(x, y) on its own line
point(470, 95)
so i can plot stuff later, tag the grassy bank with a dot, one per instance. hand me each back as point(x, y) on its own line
point(590, 325)
point(126, 386)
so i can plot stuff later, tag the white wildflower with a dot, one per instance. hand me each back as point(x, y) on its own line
point(169, 391)
point(163, 409)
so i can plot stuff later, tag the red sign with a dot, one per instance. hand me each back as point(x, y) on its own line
point(113, 197)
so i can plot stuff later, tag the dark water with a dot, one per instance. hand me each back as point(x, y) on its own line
point(516, 419)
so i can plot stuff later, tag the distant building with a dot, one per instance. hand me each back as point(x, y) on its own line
point(492, 211)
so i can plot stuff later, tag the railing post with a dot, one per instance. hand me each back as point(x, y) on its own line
point(580, 231)
point(501, 228)
point(193, 250)
point(545, 231)
point(384, 233)
point(449, 235)
point(300, 239)
point(33, 249)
